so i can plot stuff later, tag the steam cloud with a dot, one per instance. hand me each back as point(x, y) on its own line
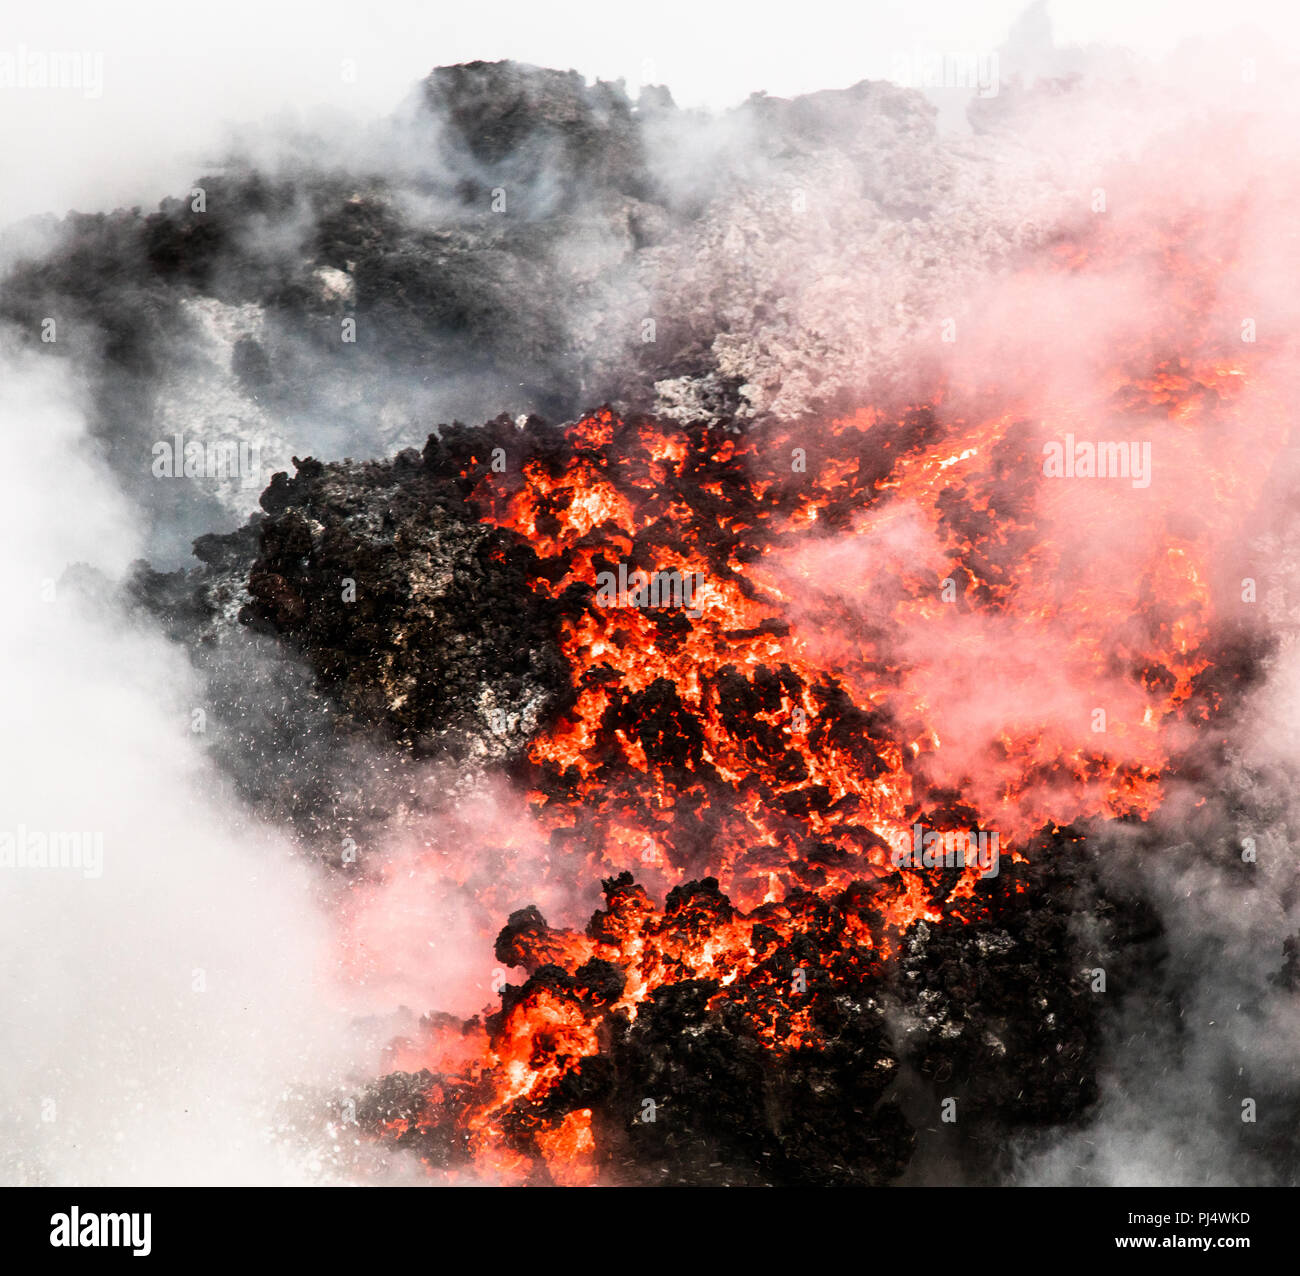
point(162, 1010)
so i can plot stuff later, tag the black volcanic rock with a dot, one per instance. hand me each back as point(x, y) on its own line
point(414, 615)
point(513, 237)
point(365, 621)
point(997, 1014)
point(540, 134)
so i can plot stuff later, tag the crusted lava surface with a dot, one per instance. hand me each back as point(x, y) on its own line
point(817, 1036)
point(810, 1039)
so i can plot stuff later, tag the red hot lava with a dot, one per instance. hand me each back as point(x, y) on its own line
point(879, 622)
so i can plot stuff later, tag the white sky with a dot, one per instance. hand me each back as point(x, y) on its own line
point(174, 74)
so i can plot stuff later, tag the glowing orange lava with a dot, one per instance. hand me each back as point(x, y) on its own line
point(898, 619)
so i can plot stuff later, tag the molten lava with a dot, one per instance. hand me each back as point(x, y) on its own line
point(900, 620)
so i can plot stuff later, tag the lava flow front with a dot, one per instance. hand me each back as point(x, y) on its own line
point(863, 632)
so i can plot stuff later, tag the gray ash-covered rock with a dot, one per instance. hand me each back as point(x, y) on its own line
point(542, 134)
point(415, 616)
point(365, 621)
point(515, 237)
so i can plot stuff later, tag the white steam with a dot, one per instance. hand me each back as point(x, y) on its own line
point(158, 1013)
